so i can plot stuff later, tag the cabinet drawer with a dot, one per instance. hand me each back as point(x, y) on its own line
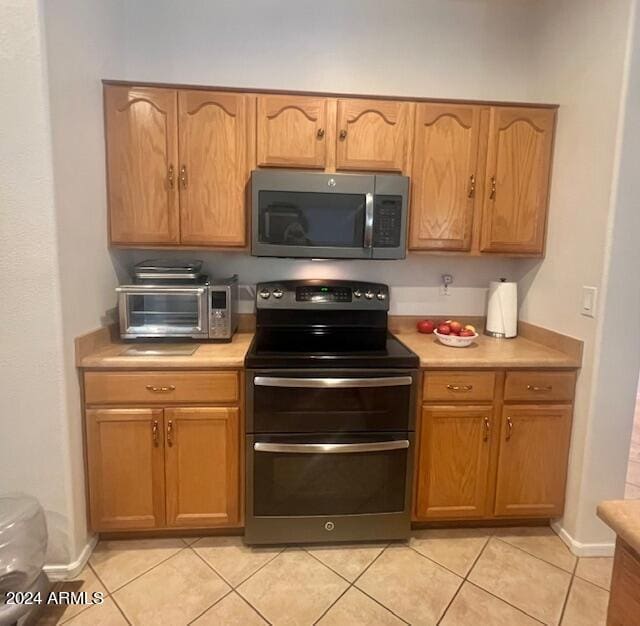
point(161, 387)
point(455, 386)
point(537, 386)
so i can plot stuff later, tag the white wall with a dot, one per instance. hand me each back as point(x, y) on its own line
point(582, 46)
point(83, 45)
point(33, 451)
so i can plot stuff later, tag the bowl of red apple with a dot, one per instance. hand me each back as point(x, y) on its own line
point(451, 333)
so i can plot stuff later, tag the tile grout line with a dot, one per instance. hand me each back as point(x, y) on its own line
point(464, 579)
point(220, 599)
point(540, 558)
point(109, 594)
point(233, 588)
point(566, 598)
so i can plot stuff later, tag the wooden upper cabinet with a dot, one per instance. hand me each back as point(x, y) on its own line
point(126, 468)
point(213, 169)
point(444, 176)
point(292, 131)
point(372, 135)
point(453, 465)
point(142, 158)
point(202, 466)
point(532, 464)
point(517, 183)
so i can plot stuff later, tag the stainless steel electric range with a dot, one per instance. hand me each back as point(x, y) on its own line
point(330, 416)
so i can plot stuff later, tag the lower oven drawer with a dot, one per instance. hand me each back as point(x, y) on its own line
point(298, 475)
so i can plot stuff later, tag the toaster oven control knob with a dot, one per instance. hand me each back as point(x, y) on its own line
point(278, 293)
point(368, 295)
point(357, 293)
point(381, 295)
point(265, 293)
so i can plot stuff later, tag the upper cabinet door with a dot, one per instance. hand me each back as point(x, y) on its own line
point(517, 185)
point(444, 176)
point(141, 137)
point(372, 135)
point(292, 131)
point(202, 466)
point(213, 169)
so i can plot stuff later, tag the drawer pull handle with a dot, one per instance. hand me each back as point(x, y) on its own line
point(154, 430)
point(170, 433)
point(157, 389)
point(510, 428)
point(536, 388)
point(487, 428)
point(459, 387)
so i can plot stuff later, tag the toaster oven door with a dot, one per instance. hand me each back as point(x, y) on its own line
point(159, 311)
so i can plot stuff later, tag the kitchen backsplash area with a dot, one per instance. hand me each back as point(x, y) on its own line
point(415, 282)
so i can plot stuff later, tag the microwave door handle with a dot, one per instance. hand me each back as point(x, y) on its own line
point(331, 448)
point(332, 383)
point(368, 221)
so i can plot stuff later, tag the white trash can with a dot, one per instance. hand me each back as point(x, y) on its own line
point(23, 546)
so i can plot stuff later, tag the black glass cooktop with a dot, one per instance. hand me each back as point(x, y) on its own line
point(355, 350)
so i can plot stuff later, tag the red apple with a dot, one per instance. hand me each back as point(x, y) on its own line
point(426, 326)
point(455, 327)
point(465, 332)
point(444, 329)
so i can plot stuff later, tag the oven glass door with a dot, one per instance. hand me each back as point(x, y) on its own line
point(297, 475)
point(164, 312)
point(351, 402)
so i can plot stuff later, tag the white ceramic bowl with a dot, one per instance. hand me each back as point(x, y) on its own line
point(454, 341)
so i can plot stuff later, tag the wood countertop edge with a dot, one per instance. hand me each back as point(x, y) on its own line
point(623, 517)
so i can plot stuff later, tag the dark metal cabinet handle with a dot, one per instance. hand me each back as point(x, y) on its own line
point(183, 176)
point(170, 177)
point(492, 194)
point(343, 134)
point(320, 133)
point(463, 388)
point(535, 388)
point(472, 186)
point(487, 429)
point(157, 389)
point(170, 433)
point(154, 430)
point(509, 428)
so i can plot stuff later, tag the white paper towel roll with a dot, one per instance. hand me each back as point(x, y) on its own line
point(502, 309)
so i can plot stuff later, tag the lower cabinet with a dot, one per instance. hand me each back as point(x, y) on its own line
point(125, 450)
point(495, 460)
point(532, 464)
point(454, 462)
point(202, 466)
point(158, 468)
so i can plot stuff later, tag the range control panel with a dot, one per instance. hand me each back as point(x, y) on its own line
point(322, 294)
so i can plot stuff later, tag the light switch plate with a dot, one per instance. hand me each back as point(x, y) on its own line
point(589, 301)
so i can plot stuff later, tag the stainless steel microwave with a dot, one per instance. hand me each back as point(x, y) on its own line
point(329, 216)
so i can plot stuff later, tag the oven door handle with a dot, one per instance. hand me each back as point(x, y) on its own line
point(332, 383)
point(331, 448)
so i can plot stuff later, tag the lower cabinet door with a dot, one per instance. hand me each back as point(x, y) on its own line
point(202, 466)
point(453, 464)
point(532, 463)
point(125, 453)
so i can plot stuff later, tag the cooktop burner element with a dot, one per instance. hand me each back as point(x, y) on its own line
point(325, 323)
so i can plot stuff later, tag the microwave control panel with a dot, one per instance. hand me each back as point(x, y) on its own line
point(387, 221)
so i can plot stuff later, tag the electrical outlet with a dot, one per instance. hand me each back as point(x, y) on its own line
point(447, 280)
point(589, 301)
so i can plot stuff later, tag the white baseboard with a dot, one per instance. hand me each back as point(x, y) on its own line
point(583, 549)
point(65, 572)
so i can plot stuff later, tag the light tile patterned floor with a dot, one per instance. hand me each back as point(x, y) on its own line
point(458, 577)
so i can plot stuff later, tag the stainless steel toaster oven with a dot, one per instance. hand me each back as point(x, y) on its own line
point(200, 310)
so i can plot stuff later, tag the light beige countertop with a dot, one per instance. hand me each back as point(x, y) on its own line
point(623, 516)
point(486, 352)
point(204, 356)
